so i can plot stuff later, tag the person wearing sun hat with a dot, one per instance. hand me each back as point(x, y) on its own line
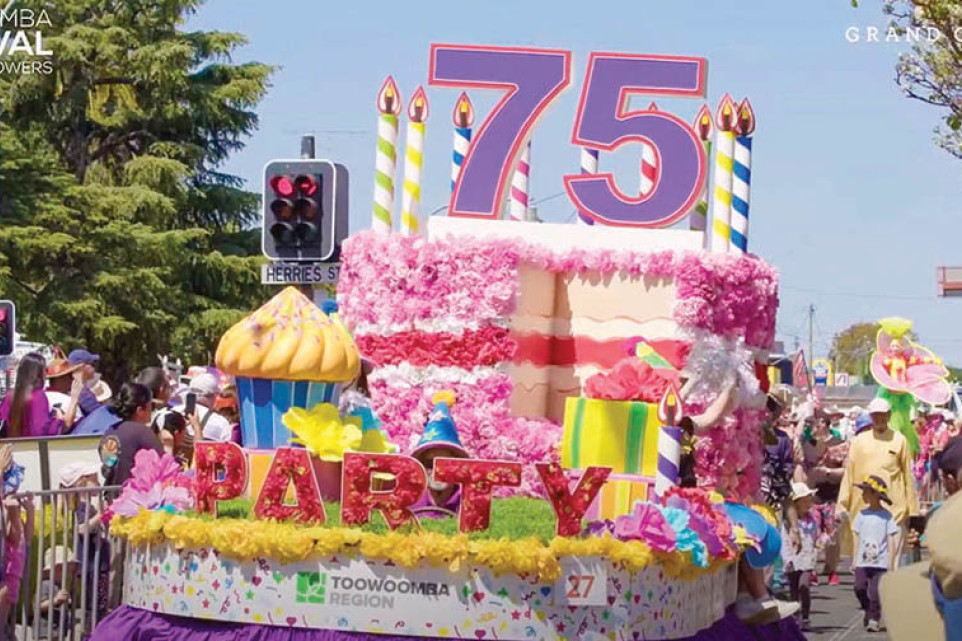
point(876, 547)
point(440, 439)
point(64, 389)
point(924, 600)
point(886, 453)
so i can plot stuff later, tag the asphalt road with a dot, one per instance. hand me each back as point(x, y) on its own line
point(836, 615)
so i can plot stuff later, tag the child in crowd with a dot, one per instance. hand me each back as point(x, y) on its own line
point(875, 533)
point(799, 551)
point(17, 533)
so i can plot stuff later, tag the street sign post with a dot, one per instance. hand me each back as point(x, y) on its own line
point(300, 273)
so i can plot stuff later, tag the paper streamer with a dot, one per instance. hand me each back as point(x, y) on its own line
point(589, 165)
point(669, 458)
point(518, 206)
point(413, 163)
point(385, 163)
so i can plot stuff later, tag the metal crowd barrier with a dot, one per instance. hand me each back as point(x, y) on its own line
point(72, 572)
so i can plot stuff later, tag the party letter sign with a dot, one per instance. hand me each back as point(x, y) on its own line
point(220, 475)
point(290, 465)
point(358, 499)
point(603, 122)
point(478, 480)
point(570, 507)
point(533, 78)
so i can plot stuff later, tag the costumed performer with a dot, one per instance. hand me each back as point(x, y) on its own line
point(440, 440)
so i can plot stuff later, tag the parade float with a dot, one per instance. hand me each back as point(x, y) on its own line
point(569, 380)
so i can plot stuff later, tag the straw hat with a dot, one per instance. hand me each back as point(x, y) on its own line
point(909, 595)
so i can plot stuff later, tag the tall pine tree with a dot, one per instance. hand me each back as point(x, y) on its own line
point(118, 231)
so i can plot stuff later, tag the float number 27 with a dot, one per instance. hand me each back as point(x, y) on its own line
point(580, 586)
point(532, 79)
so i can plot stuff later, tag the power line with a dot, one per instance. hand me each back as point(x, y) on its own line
point(858, 294)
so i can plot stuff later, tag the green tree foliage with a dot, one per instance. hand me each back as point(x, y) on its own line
point(852, 349)
point(932, 71)
point(118, 232)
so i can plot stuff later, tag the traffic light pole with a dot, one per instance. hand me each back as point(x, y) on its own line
point(307, 147)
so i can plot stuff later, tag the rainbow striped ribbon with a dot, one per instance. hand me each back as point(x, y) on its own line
point(385, 166)
point(413, 164)
point(519, 185)
point(462, 140)
point(589, 165)
point(721, 211)
point(741, 192)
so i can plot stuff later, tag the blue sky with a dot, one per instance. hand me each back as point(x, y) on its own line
point(851, 200)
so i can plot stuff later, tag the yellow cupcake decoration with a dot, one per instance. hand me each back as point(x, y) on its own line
point(290, 338)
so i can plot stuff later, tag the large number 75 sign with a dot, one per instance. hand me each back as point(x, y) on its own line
point(532, 79)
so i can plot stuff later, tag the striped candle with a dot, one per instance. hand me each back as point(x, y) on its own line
point(518, 204)
point(698, 219)
point(589, 165)
point(669, 459)
point(649, 165)
point(649, 170)
point(742, 177)
point(413, 163)
point(721, 209)
point(463, 119)
point(385, 165)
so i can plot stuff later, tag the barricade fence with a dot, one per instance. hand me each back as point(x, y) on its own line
point(70, 569)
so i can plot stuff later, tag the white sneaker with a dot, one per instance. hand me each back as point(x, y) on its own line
point(755, 612)
point(786, 608)
point(872, 626)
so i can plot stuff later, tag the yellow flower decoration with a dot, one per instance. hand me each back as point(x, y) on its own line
point(321, 430)
point(247, 540)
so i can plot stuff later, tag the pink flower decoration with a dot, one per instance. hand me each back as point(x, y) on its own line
point(156, 482)
point(646, 523)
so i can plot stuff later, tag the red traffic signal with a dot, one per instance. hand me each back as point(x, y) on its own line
point(8, 330)
point(305, 185)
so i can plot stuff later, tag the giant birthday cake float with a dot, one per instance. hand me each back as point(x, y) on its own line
point(569, 357)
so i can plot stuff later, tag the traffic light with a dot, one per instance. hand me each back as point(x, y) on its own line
point(8, 327)
point(305, 210)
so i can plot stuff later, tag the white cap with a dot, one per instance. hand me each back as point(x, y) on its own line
point(948, 415)
point(800, 491)
point(879, 406)
point(204, 384)
point(73, 472)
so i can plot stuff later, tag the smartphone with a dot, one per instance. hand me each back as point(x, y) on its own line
point(917, 523)
point(190, 404)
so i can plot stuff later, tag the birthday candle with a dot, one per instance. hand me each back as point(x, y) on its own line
point(385, 164)
point(649, 164)
point(519, 185)
point(589, 165)
point(463, 119)
point(742, 177)
point(698, 220)
point(669, 441)
point(413, 162)
point(721, 209)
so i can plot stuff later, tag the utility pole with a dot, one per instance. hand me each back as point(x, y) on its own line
point(811, 334)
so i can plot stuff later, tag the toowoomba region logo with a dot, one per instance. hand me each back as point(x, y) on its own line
point(22, 50)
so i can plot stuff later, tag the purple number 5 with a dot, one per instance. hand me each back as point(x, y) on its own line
point(603, 122)
point(533, 79)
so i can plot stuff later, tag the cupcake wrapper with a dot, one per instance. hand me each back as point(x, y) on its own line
point(264, 401)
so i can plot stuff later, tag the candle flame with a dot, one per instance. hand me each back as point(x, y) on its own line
point(388, 98)
point(670, 410)
point(725, 114)
point(418, 106)
point(746, 118)
point(463, 112)
point(652, 107)
point(703, 123)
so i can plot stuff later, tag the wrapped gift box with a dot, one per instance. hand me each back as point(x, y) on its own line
point(622, 435)
point(618, 495)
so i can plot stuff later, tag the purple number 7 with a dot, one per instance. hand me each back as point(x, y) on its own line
point(533, 79)
point(603, 122)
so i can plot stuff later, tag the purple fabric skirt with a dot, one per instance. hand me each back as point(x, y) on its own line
point(133, 624)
